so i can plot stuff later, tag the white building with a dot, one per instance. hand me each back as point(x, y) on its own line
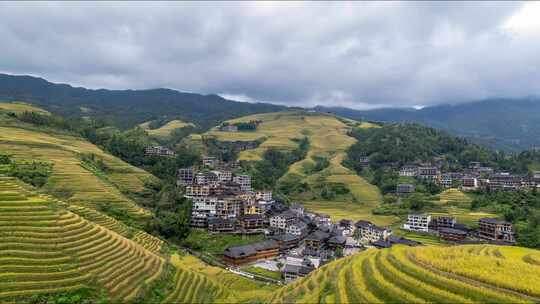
point(265, 195)
point(408, 170)
point(224, 175)
point(244, 181)
point(297, 228)
point(283, 220)
point(369, 232)
point(209, 161)
point(417, 222)
point(204, 206)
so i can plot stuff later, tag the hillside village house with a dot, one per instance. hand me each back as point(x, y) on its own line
point(443, 221)
point(417, 222)
point(505, 181)
point(265, 195)
point(216, 224)
point(244, 181)
point(253, 223)
point(368, 232)
point(297, 228)
point(239, 255)
point(209, 161)
point(451, 234)
point(206, 178)
point(315, 242)
point(158, 151)
point(408, 170)
point(469, 183)
point(446, 180)
point(405, 188)
point(495, 230)
point(185, 176)
point(428, 173)
point(228, 128)
point(283, 220)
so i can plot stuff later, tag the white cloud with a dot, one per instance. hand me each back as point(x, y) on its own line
point(358, 54)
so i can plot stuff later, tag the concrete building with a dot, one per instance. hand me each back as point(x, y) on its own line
point(244, 181)
point(417, 222)
point(495, 230)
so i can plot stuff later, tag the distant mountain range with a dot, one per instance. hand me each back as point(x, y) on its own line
point(506, 124)
point(127, 108)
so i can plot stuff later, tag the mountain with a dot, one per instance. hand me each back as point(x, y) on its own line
point(506, 124)
point(127, 108)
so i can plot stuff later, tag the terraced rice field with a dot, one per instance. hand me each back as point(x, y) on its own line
point(166, 129)
point(464, 274)
point(328, 138)
point(454, 196)
point(69, 179)
point(20, 107)
point(148, 241)
point(45, 248)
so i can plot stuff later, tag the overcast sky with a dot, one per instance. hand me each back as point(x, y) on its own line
point(357, 54)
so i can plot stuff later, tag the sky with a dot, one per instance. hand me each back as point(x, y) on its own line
point(357, 54)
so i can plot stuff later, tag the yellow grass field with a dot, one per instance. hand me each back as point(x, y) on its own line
point(454, 196)
point(166, 129)
point(20, 107)
point(461, 274)
point(328, 138)
point(367, 125)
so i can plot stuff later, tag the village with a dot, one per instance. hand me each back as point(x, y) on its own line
point(297, 241)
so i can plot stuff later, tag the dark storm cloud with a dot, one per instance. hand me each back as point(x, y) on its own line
point(355, 54)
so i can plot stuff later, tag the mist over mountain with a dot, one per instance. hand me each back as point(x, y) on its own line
point(510, 124)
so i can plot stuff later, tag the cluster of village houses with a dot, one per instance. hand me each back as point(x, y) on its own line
point(474, 177)
point(224, 202)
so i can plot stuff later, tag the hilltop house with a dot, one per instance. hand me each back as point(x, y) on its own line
point(408, 170)
point(185, 176)
point(505, 181)
point(209, 161)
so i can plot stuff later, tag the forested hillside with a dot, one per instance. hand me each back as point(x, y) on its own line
point(504, 123)
point(126, 108)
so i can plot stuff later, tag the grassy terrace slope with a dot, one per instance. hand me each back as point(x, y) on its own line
point(166, 129)
point(45, 248)
point(464, 274)
point(328, 139)
point(71, 179)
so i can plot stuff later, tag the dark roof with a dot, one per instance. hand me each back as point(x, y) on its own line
point(381, 244)
point(240, 251)
point(403, 241)
point(318, 235)
point(461, 227)
point(339, 240)
point(345, 222)
point(367, 224)
point(299, 270)
point(265, 245)
point(287, 237)
point(452, 231)
point(492, 220)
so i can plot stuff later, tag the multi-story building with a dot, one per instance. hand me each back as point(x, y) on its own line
point(495, 230)
point(404, 188)
point(209, 161)
point(283, 220)
point(221, 225)
point(417, 222)
point(206, 178)
point(228, 128)
point(252, 223)
point(429, 173)
point(193, 191)
point(469, 183)
point(315, 242)
point(443, 221)
point(204, 206)
point(224, 175)
point(369, 232)
point(446, 180)
point(244, 181)
point(253, 207)
point(408, 170)
point(451, 234)
point(158, 151)
point(185, 176)
point(297, 228)
point(505, 181)
point(229, 207)
point(265, 195)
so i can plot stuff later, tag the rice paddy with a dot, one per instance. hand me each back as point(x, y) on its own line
point(45, 249)
point(166, 129)
point(20, 107)
point(328, 139)
point(461, 274)
point(454, 196)
point(70, 179)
